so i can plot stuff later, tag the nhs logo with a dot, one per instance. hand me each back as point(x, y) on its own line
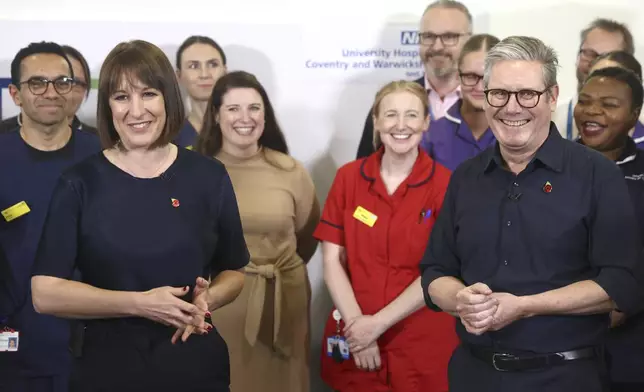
point(409, 37)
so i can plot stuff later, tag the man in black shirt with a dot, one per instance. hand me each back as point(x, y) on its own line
point(535, 245)
point(609, 105)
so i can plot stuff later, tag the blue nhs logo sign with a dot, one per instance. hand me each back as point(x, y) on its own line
point(408, 37)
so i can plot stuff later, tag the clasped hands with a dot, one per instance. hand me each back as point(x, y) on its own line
point(164, 305)
point(362, 333)
point(482, 310)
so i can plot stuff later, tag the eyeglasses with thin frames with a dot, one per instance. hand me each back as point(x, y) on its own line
point(447, 39)
point(588, 54)
point(526, 98)
point(39, 86)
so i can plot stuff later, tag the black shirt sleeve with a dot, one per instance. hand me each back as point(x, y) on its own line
point(440, 258)
point(231, 252)
point(615, 248)
point(365, 148)
point(57, 249)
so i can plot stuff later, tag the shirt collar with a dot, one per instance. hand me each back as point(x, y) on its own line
point(551, 152)
point(628, 154)
point(421, 173)
point(453, 114)
point(429, 88)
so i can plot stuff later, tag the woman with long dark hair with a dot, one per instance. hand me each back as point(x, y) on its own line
point(267, 326)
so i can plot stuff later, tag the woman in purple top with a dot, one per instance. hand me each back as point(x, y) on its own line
point(464, 131)
point(625, 60)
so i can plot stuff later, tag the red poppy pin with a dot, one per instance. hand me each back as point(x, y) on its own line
point(175, 203)
point(547, 187)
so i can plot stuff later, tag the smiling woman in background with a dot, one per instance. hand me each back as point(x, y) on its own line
point(267, 326)
point(609, 104)
point(200, 63)
point(154, 231)
point(627, 61)
point(375, 226)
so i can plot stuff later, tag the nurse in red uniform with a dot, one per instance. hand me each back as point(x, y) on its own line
point(375, 225)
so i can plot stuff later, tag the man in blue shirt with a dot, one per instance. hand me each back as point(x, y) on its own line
point(32, 158)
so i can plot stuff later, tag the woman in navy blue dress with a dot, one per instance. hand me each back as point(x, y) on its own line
point(156, 234)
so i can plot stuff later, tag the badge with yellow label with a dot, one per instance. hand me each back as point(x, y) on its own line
point(365, 216)
point(15, 211)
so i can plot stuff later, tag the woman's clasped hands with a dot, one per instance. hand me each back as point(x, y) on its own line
point(164, 305)
point(362, 333)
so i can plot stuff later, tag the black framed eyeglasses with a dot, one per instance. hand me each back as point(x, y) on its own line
point(526, 98)
point(469, 79)
point(447, 39)
point(38, 86)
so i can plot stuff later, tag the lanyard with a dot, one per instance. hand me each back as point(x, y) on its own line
point(569, 122)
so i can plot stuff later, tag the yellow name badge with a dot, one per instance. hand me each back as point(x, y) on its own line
point(15, 211)
point(189, 148)
point(365, 216)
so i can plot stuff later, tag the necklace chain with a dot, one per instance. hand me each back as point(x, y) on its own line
point(128, 169)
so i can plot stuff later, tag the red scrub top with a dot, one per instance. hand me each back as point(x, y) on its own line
point(382, 261)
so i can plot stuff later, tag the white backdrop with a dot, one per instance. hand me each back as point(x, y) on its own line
point(321, 110)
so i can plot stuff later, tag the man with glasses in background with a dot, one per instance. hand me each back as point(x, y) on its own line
point(600, 37)
point(80, 91)
point(444, 28)
point(464, 132)
point(536, 243)
point(32, 157)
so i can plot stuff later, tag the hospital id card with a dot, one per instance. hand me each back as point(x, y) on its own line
point(9, 340)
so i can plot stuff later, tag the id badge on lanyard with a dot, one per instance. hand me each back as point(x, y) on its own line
point(9, 339)
point(336, 346)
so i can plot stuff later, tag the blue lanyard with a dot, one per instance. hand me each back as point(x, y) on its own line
point(569, 122)
point(431, 112)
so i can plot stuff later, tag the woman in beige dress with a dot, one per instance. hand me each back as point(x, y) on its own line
point(267, 326)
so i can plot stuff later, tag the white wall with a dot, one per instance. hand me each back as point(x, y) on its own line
point(322, 111)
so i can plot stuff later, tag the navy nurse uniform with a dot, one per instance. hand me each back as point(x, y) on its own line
point(29, 175)
point(135, 234)
point(188, 135)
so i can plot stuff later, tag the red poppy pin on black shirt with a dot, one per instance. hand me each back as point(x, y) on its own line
point(547, 187)
point(175, 203)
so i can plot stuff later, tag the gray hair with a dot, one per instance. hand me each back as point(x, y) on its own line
point(452, 5)
point(523, 49)
point(611, 26)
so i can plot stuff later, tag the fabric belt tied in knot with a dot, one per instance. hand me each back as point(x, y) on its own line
point(282, 330)
point(267, 271)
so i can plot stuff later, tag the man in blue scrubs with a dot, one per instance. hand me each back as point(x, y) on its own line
point(32, 158)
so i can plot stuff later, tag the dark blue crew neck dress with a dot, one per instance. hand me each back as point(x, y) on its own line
point(132, 234)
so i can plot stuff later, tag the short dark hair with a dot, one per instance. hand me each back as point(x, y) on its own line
point(30, 50)
point(138, 61)
point(477, 42)
point(198, 39)
point(71, 51)
point(210, 138)
point(625, 76)
point(611, 26)
point(625, 59)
